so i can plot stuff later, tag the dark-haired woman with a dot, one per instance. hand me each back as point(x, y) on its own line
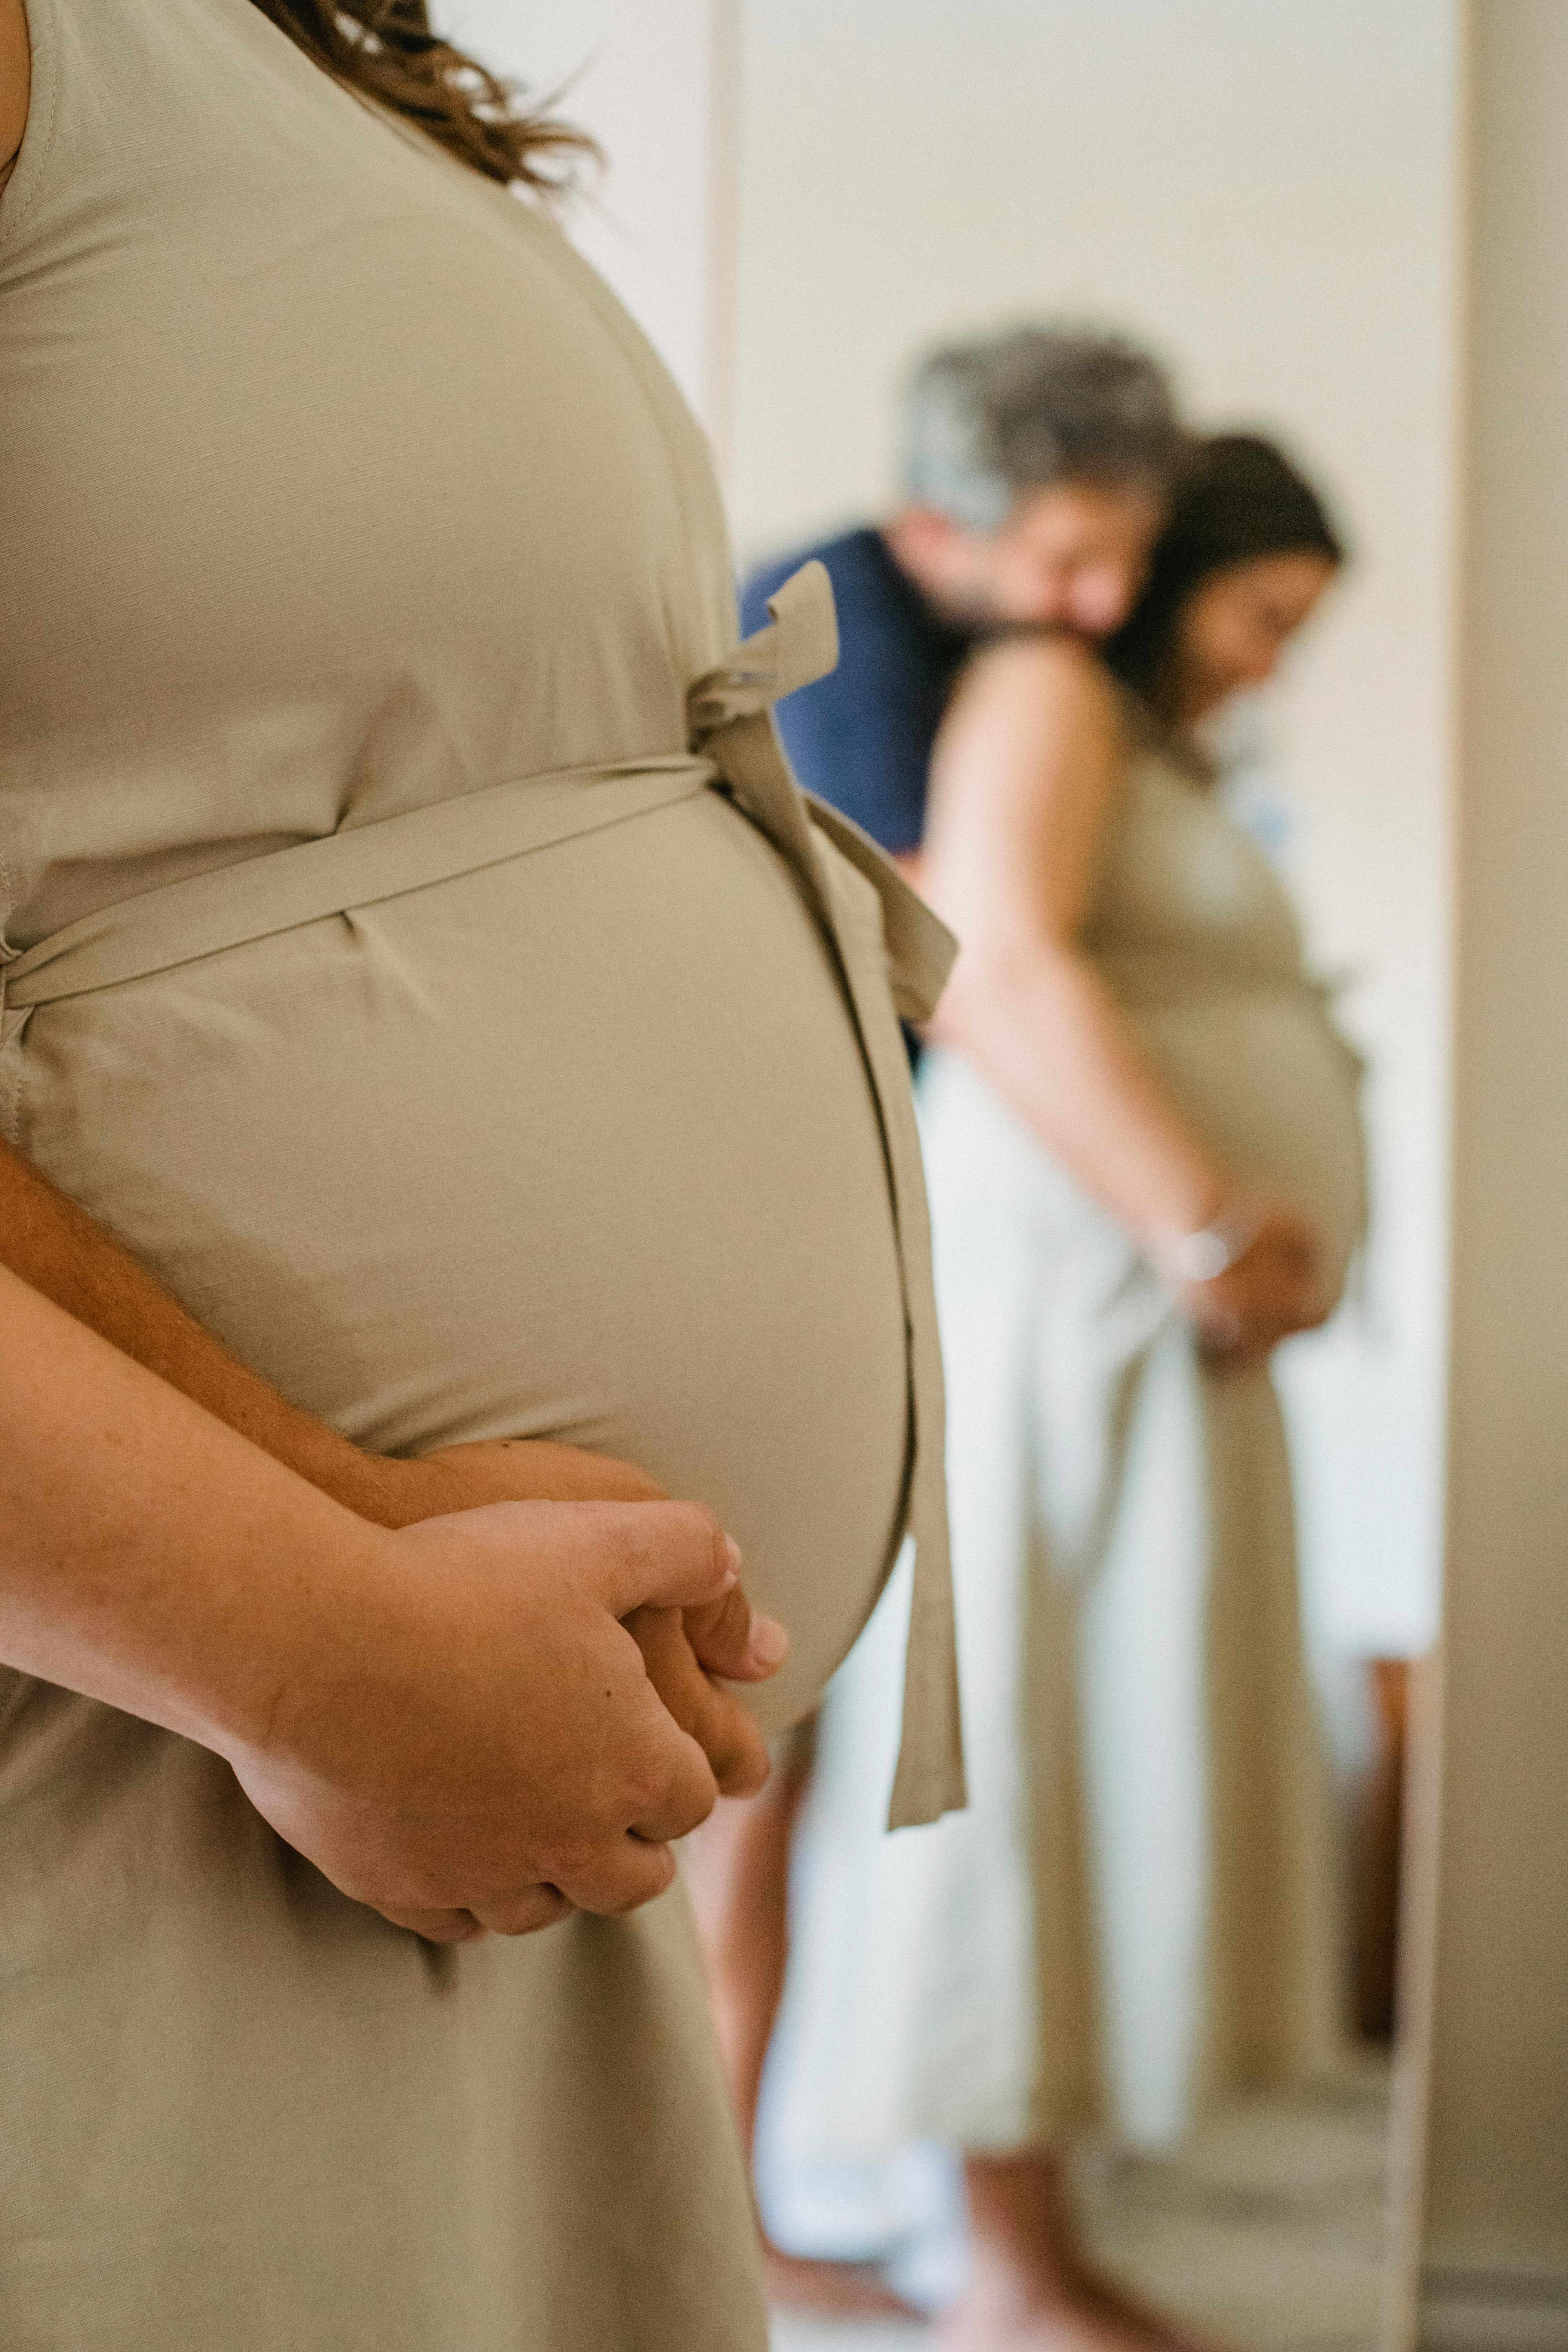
point(1144, 1159)
point(428, 1019)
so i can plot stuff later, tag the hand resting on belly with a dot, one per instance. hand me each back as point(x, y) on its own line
point(682, 1649)
point(49, 1241)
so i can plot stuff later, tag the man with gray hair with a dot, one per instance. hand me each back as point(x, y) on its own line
point(1036, 466)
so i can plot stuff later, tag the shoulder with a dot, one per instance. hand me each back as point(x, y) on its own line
point(15, 76)
point(1045, 660)
point(1045, 677)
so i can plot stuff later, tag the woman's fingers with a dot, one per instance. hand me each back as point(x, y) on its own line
point(735, 1749)
point(524, 1914)
point(736, 1752)
point(540, 1906)
point(435, 1927)
point(659, 1554)
point(611, 1880)
point(1269, 1294)
point(688, 1793)
point(728, 1637)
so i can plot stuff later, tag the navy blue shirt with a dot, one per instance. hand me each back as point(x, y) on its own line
point(861, 737)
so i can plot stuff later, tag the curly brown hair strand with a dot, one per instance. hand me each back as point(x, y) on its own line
point(386, 48)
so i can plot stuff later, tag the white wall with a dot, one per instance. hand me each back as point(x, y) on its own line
point(657, 86)
point(1264, 191)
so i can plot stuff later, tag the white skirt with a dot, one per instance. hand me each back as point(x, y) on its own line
point(1136, 1915)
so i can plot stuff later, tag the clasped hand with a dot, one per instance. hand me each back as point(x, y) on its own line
point(573, 1729)
point(1271, 1290)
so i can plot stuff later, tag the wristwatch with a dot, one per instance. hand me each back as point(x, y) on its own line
point(1211, 1251)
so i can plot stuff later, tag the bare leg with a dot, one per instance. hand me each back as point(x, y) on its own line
point(1032, 2286)
point(737, 1877)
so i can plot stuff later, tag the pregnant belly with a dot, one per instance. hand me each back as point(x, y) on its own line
point(580, 1146)
point(1268, 1083)
point(1262, 1077)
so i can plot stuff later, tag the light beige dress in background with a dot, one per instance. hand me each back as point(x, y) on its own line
point(415, 948)
point(1138, 1914)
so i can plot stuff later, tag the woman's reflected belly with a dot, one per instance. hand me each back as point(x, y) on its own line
point(1268, 1082)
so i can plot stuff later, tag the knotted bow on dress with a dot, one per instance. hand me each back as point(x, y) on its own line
point(892, 955)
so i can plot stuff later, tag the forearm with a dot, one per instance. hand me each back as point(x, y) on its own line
point(1044, 1030)
point(152, 1558)
point(53, 1245)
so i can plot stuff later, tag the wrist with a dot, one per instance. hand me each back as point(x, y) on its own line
point(374, 1487)
point(1199, 1253)
point(325, 1624)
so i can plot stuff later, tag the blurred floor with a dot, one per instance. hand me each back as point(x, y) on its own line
point(1269, 2232)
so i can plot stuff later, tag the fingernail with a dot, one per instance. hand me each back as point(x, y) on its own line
point(733, 1549)
point(767, 1644)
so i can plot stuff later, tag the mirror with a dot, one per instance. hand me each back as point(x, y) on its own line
point(1265, 197)
point(1270, 200)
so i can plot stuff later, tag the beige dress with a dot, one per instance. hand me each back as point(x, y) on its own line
point(415, 948)
point(1136, 1916)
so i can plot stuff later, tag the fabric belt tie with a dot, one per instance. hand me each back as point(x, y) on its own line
point(880, 931)
point(232, 905)
point(885, 937)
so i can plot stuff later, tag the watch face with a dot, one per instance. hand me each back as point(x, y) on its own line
point(1201, 1256)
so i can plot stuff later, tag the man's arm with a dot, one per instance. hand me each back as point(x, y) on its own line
point(58, 1249)
point(16, 79)
point(448, 1720)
